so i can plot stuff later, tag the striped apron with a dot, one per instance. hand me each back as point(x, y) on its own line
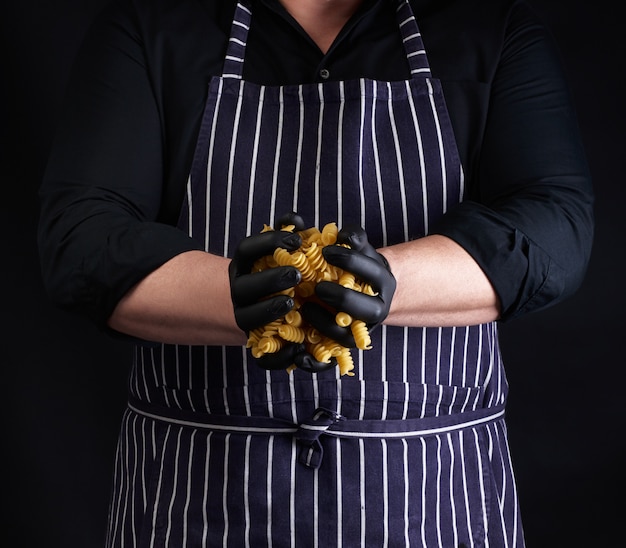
point(412, 450)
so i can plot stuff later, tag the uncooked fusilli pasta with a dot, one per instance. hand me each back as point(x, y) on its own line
point(308, 259)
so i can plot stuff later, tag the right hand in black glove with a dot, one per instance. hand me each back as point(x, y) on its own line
point(362, 260)
point(253, 293)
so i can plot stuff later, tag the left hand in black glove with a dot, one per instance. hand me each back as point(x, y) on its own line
point(254, 294)
point(362, 260)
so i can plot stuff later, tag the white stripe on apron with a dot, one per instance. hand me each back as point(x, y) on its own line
point(412, 451)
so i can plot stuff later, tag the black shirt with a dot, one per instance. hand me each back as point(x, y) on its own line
point(117, 172)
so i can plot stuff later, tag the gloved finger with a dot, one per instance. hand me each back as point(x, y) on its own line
point(356, 238)
point(372, 271)
point(258, 245)
point(323, 320)
point(294, 354)
point(291, 218)
point(307, 362)
point(262, 312)
point(368, 308)
point(251, 287)
point(281, 359)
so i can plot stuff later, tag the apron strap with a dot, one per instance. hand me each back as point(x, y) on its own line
point(411, 39)
point(236, 50)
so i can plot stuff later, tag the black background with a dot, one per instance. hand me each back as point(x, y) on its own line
point(63, 383)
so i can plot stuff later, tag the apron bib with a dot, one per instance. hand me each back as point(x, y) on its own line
point(412, 449)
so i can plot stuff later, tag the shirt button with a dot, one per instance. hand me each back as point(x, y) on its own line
point(324, 74)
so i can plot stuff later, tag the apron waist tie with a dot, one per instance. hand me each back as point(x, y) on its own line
point(322, 421)
point(308, 436)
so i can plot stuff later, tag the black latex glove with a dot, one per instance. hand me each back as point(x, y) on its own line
point(362, 260)
point(297, 355)
point(252, 292)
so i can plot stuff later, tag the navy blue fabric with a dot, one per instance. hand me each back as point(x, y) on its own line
point(135, 102)
point(381, 155)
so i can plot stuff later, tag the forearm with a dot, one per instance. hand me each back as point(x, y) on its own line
point(438, 284)
point(185, 301)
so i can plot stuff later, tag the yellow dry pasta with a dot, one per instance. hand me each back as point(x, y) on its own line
point(313, 336)
point(343, 319)
point(302, 263)
point(291, 333)
point(293, 317)
point(329, 234)
point(267, 345)
point(315, 258)
point(368, 290)
point(308, 259)
point(283, 257)
point(325, 349)
point(347, 279)
point(321, 352)
point(345, 362)
point(361, 335)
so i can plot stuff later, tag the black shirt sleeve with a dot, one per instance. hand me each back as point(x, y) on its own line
point(102, 189)
point(118, 167)
point(528, 221)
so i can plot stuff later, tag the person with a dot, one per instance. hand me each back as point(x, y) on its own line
point(199, 136)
